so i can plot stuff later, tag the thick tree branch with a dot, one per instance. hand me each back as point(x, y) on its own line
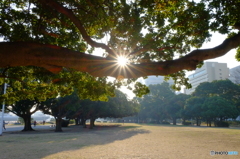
point(67, 12)
point(54, 58)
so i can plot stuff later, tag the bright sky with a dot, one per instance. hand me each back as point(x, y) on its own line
point(228, 58)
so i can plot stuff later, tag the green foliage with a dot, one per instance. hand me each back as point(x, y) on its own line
point(164, 29)
point(73, 107)
point(71, 121)
point(222, 124)
point(140, 89)
point(24, 109)
point(154, 105)
point(213, 101)
point(237, 56)
point(217, 107)
point(176, 104)
point(223, 88)
point(65, 123)
point(223, 13)
point(165, 122)
point(234, 123)
point(193, 107)
point(187, 123)
point(37, 83)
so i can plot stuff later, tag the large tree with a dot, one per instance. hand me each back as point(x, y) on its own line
point(217, 108)
point(156, 36)
point(154, 104)
point(59, 108)
point(24, 109)
point(222, 88)
point(193, 109)
point(175, 106)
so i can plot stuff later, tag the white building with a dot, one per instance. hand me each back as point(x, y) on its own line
point(235, 75)
point(209, 72)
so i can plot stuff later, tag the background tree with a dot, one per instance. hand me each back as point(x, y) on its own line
point(26, 88)
point(24, 109)
point(116, 107)
point(193, 109)
point(151, 34)
point(212, 101)
point(154, 104)
point(59, 108)
point(175, 106)
point(222, 88)
point(216, 108)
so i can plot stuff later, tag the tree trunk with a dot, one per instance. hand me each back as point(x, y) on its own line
point(174, 121)
point(84, 123)
point(92, 120)
point(183, 120)
point(198, 122)
point(58, 125)
point(27, 123)
point(76, 121)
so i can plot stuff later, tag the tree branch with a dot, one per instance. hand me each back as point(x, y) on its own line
point(68, 13)
point(53, 58)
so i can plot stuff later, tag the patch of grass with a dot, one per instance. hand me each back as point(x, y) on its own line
point(125, 141)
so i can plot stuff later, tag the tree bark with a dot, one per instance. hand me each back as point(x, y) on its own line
point(92, 120)
point(58, 125)
point(174, 121)
point(183, 120)
point(198, 122)
point(27, 122)
point(76, 121)
point(53, 58)
point(84, 123)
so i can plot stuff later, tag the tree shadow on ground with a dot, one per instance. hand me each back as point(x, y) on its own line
point(42, 143)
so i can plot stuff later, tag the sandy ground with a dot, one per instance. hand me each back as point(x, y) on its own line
point(128, 141)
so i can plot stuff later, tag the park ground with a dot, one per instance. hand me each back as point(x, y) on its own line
point(121, 141)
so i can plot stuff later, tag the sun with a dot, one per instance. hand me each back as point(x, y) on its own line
point(122, 61)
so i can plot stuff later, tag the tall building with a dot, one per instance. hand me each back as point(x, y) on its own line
point(157, 80)
point(235, 75)
point(209, 72)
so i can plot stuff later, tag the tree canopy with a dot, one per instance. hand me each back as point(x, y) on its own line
point(222, 88)
point(212, 101)
point(154, 105)
point(158, 37)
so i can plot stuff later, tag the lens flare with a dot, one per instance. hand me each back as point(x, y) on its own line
point(122, 61)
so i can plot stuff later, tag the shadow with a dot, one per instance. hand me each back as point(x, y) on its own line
point(42, 143)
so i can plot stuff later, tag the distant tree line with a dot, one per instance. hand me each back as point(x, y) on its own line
point(212, 102)
point(78, 96)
